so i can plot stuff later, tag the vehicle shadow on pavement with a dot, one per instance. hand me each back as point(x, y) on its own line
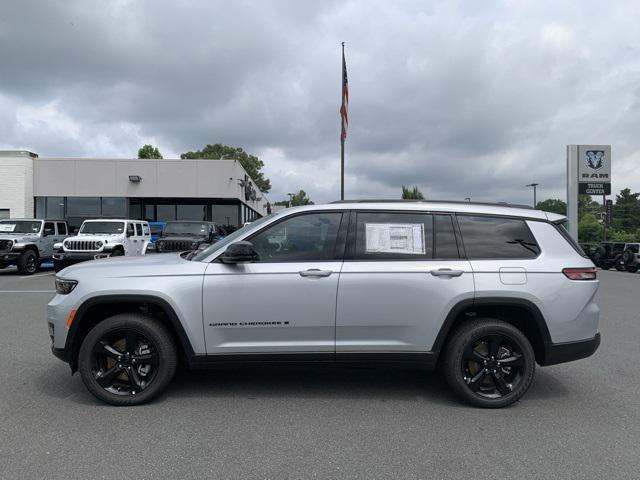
point(295, 382)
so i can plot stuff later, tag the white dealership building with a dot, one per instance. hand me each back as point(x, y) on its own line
point(154, 190)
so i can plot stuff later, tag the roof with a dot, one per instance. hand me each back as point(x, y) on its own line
point(502, 209)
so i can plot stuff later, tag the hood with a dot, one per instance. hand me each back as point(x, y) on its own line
point(18, 237)
point(145, 265)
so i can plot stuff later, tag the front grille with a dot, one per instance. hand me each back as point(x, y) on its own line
point(5, 245)
point(173, 245)
point(82, 245)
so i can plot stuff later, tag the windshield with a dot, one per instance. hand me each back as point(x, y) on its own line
point(106, 228)
point(19, 226)
point(186, 228)
point(230, 238)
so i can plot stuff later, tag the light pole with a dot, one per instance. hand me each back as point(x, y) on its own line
point(291, 195)
point(534, 185)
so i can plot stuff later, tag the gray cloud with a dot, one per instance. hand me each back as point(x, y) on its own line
point(461, 98)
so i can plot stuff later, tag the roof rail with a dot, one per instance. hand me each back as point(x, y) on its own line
point(460, 202)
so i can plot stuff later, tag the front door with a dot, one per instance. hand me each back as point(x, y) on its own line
point(285, 302)
point(48, 239)
point(401, 277)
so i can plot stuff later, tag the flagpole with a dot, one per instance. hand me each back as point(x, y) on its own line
point(342, 144)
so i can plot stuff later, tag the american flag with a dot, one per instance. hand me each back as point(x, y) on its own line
point(344, 109)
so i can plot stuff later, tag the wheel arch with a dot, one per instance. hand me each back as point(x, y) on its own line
point(96, 309)
point(519, 312)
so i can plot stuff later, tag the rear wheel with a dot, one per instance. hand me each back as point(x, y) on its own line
point(28, 262)
point(117, 253)
point(489, 363)
point(127, 359)
point(632, 268)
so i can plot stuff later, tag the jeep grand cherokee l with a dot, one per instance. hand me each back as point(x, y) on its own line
point(482, 291)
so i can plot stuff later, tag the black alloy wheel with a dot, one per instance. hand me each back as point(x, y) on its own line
point(28, 263)
point(489, 363)
point(127, 359)
point(124, 362)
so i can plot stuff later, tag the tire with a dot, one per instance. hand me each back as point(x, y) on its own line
point(480, 384)
point(59, 265)
point(28, 263)
point(117, 253)
point(620, 268)
point(632, 268)
point(125, 379)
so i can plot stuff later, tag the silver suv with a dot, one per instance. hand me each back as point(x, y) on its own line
point(482, 291)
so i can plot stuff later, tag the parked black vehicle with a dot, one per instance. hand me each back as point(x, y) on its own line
point(589, 249)
point(179, 236)
point(630, 258)
point(609, 254)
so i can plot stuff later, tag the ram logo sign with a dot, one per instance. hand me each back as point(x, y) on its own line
point(594, 169)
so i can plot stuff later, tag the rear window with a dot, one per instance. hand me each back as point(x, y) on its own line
point(496, 237)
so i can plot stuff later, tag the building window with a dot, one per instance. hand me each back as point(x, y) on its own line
point(192, 212)
point(55, 207)
point(83, 206)
point(150, 213)
point(114, 207)
point(226, 214)
point(4, 213)
point(166, 212)
point(40, 207)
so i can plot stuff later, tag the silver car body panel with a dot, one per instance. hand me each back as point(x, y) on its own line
point(359, 306)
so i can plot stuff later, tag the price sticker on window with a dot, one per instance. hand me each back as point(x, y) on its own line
point(403, 238)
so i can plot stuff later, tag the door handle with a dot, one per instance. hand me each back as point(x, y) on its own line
point(315, 272)
point(446, 272)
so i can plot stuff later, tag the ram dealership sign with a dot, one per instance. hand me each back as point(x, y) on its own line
point(594, 169)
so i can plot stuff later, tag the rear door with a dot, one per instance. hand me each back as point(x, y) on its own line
point(402, 274)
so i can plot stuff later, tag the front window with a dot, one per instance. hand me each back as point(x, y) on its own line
point(303, 238)
point(19, 226)
point(186, 228)
point(102, 228)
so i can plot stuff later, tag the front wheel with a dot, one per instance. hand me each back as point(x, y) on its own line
point(28, 263)
point(127, 359)
point(489, 363)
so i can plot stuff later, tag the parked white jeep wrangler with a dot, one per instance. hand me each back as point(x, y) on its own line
point(102, 238)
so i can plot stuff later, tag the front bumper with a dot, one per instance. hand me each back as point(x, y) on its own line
point(9, 257)
point(555, 353)
point(70, 258)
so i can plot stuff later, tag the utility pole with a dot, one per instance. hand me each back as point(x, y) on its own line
point(291, 195)
point(535, 200)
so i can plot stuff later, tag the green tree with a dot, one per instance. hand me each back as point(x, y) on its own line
point(553, 205)
point(411, 193)
point(626, 211)
point(589, 229)
point(298, 199)
point(252, 164)
point(149, 151)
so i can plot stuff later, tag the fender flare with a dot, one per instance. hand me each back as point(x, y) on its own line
point(463, 305)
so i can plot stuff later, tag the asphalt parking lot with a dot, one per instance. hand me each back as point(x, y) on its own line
point(579, 420)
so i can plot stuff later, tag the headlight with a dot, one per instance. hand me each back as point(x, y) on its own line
point(10, 244)
point(67, 244)
point(99, 244)
point(64, 287)
point(194, 244)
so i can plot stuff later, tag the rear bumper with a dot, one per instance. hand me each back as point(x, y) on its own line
point(555, 353)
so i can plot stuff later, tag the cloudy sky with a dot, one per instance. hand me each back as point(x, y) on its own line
point(462, 98)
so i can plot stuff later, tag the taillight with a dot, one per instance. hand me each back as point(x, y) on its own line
point(588, 273)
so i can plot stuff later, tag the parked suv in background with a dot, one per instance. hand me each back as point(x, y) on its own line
point(27, 243)
point(483, 291)
point(179, 236)
point(630, 258)
point(102, 238)
point(608, 255)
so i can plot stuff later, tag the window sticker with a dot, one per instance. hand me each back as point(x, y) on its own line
point(404, 238)
point(7, 227)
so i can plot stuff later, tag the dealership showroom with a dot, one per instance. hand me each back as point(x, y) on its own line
point(155, 190)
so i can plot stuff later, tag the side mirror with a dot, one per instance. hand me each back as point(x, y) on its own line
point(239, 252)
point(129, 233)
